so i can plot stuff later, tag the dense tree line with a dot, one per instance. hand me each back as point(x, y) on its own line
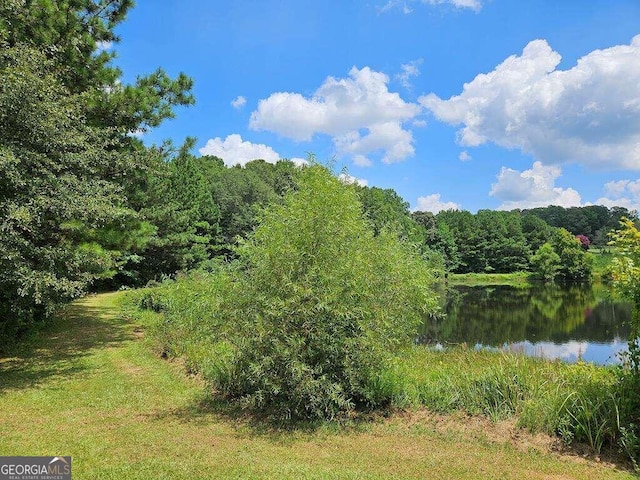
point(594, 221)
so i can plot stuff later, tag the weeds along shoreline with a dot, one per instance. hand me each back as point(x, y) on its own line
point(579, 403)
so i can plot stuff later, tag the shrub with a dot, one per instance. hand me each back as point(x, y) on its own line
point(321, 304)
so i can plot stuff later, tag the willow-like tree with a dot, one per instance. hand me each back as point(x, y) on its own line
point(321, 303)
point(626, 281)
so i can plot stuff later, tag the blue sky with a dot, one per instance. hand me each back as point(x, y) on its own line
point(464, 104)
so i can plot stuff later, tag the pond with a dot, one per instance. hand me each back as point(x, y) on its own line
point(570, 323)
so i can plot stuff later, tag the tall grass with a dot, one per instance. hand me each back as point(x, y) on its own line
point(577, 402)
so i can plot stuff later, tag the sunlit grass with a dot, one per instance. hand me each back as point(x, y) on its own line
point(91, 387)
point(517, 279)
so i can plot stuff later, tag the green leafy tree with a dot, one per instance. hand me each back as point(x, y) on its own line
point(468, 238)
point(626, 280)
point(322, 303)
point(545, 263)
point(438, 237)
point(385, 209)
point(576, 264)
point(502, 242)
point(55, 196)
point(536, 231)
point(66, 153)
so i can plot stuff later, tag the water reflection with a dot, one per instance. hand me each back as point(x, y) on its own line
point(568, 323)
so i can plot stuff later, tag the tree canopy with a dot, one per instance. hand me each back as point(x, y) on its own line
point(66, 152)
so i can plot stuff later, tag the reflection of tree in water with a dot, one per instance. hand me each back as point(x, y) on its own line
point(498, 315)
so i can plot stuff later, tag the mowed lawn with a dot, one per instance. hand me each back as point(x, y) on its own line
point(91, 387)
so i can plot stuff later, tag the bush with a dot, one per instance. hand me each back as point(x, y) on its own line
point(322, 304)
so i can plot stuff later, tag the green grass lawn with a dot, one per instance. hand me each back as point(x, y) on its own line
point(90, 387)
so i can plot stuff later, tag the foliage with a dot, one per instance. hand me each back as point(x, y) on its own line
point(536, 231)
point(545, 263)
point(178, 200)
point(385, 209)
point(593, 221)
point(584, 241)
point(240, 193)
point(488, 242)
point(64, 215)
point(312, 310)
point(323, 303)
point(438, 237)
point(625, 272)
point(575, 263)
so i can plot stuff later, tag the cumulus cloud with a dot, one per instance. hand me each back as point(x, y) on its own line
point(622, 193)
point(239, 102)
point(349, 180)
point(433, 204)
point(532, 188)
point(232, 150)
point(589, 114)
point(475, 5)
point(409, 70)
point(359, 112)
point(464, 156)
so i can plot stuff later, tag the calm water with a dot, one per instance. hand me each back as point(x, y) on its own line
point(570, 323)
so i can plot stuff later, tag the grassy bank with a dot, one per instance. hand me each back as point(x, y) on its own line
point(517, 279)
point(91, 387)
point(602, 259)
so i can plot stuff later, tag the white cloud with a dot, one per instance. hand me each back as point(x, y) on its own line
point(362, 161)
point(359, 113)
point(232, 150)
point(475, 5)
point(432, 203)
point(239, 102)
point(104, 45)
point(299, 162)
point(589, 114)
point(532, 188)
point(409, 70)
point(349, 179)
point(622, 193)
point(464, 156)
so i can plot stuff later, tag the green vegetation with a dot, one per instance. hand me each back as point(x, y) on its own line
point(579, 403)
point(67, 153)
point(90, 387)
point(313, 309)
point(625, 273)
point(302, 300)
point(593, 222)
point(546, 263)
point(517, 279)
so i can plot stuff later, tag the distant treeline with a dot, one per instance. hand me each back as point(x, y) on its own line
point(594, 221)
point(198, 209)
